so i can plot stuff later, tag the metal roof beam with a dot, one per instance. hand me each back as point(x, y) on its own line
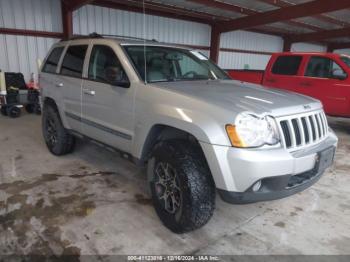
point(178, 13)
point(72, 5)
point(247, 11)
point(317, 36)
point(24, 32)
point(334, 46)
point(324, 18)
point(225, 6)
point(160, 10)
point(286, 13)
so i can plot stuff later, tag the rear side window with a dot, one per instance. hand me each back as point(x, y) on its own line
point(286, 65)
point(73, 61)
point(52, 61)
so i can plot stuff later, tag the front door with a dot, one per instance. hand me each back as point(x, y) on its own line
point(324, 79)
point(107, 114)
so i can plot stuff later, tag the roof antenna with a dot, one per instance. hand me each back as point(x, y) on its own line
point(144, 40)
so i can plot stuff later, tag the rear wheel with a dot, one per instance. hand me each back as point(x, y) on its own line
point(57, 138)
point(183, 191)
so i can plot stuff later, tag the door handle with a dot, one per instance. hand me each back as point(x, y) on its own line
point(305, 84)
point(59, 85)
point(271, 80)
point(89, 92)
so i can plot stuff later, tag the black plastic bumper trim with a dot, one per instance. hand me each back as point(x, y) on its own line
point(98, 126)
point(253, 197)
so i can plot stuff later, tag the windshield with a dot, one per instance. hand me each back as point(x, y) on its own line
point(165, 64)
point(346, 60)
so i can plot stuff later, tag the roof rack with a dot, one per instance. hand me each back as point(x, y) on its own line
point(128, 37)
point(96, 35)
point(77, 37)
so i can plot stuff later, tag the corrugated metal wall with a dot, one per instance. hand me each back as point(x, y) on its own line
point(229, 60)
point(307, 47)
point(20, 53)
point(342, 51)
point(41, 15)
point(248, 41)
point(103, 20)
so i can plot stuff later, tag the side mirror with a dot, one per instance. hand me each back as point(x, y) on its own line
point(121, 83)
point(339, 74)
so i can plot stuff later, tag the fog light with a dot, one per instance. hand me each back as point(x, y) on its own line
point(257, 186)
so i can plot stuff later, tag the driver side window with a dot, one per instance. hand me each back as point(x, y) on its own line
point(324, 67)
point(104, 66)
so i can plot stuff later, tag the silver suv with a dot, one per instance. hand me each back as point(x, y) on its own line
point(197, 130)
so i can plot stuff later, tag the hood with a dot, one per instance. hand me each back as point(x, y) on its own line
point(241, 96)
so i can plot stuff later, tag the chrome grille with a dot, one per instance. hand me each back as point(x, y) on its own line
point(303, 130)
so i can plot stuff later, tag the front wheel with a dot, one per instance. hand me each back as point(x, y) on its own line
point(183, 191)
point(58, 140)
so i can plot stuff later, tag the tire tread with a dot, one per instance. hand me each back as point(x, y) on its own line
point(199, 208)
point(66, 141)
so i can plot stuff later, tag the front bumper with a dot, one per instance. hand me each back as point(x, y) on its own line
point(275, 187)
point(235, 171)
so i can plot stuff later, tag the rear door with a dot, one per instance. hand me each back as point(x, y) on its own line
point(107, 104)
point(49, 77)
point(325, 79)
point(70, 83)
point(284, 73)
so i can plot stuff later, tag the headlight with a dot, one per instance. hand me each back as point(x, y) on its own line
point(253, 131)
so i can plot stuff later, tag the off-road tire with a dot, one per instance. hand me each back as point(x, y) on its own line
point(195, 183)
point(13, 111)
point(64, 141)
point(4, 110)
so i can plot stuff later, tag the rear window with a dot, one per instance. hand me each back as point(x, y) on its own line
point(286, 65)
point(52, 61)
point(73, 61)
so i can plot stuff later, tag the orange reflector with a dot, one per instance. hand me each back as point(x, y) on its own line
point(233, 136)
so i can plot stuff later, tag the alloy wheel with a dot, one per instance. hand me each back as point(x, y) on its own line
point(51, 131)
point(167, 187)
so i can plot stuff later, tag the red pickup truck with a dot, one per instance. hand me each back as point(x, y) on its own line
point(324, 76)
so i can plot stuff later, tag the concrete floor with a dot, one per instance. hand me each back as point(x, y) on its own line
point(94, 202)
